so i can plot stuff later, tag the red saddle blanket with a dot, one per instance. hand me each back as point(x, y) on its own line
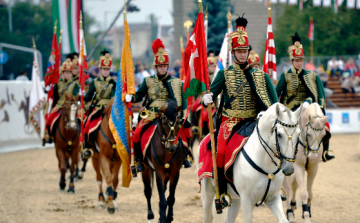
point(52, 118)
point(234, 146)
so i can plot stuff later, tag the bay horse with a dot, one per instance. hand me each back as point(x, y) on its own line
point(66, 138)
point(106, 158)
point(308, 159)
point(165, 158)
point(260, 167)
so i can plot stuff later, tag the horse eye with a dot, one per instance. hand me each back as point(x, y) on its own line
point(278, 135)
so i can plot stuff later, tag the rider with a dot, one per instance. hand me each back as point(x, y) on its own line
point(239, 105)
point(297, 86)
point(66, 85)
point(101, 90)
point(75, 71)
point(157, 89)
point(254, 60)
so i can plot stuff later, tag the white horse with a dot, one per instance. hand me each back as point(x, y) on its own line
point(308, 159)
point(269, 149)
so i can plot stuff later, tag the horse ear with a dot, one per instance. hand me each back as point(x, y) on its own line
point(298, 112)
point(310, 118)
point(325, 119)
point(66, 97)
point(278, 111)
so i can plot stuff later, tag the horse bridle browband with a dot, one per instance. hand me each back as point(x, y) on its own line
point(306, 146)
point(277, 154)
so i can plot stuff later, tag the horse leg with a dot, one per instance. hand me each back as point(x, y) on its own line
point(299, 174)
point(294, 186)
point(233, 211)
point(160, 182)
point(291, 195)
point(105, 167)
point(115, 175)
point(247, 206)
point(96, 165)
point(312, 171)
point(207, 194)
point(61, 158)
point(148, 181)
point(275, 205)
point(171, 198)
point(73, 165)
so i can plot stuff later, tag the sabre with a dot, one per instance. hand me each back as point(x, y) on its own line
point(82, 82)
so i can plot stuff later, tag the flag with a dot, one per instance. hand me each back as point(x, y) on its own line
point(119, 119)
point(270, 57)
point(82, 59)
point(327, 3)
point(197, 76)
point(350, 4)
point(67, 13)
point(52, 71)
point(223, 55)
point(335, 6)
point(182, 69)
point(159, 30)
point(358, 4)
point(37, 98)
point(293, 2)
point(301, 5)
point(311, 30)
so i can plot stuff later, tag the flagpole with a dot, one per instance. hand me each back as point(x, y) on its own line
point(206, 25)
point(229, 27)
point(132, 160)
point(81, 77)
point(188, 24)
point(182, 58)
point(213, 151)
point(312, 41)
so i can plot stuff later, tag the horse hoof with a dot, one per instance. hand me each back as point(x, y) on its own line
point(101, 205)
point(81, 175)
point(71, 190)
point(111, 210)
point(61, 190)
point(150, 215)
point(151, 221)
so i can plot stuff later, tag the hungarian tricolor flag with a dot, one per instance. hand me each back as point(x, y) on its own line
point(196, 70)
point(52, 71)
point(311, 30)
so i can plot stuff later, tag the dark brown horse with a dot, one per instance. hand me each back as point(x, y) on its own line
point(66, 138)
point(106, 157)
point(165, 158)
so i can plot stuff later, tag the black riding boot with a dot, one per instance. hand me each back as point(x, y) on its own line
point(48, 140)
point(186, 162)
point(139, 157)
point(86, 153)
point(326, 156)
point(222, 186)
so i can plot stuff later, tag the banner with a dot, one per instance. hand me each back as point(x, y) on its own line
point(16, 132)
point(344, 121)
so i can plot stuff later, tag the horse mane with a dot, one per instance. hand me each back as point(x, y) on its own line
point(109, 106)
point(170, 112)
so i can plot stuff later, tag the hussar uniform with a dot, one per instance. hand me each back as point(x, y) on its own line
point(60, 89)
point(101, 90)
point(157, 89)
point(239, 106)
point(298, 86)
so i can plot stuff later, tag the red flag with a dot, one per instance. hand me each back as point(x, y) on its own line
point(270, 57)
point(52, 70)
point(311, 30)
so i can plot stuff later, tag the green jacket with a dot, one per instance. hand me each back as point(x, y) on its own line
point(157, 92)
point(104, 89)
point(257, 95)
point(64, 87)
point(295, 87)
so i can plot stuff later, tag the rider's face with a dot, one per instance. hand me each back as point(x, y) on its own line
point(162, 69)
point(67, 74)
point(105, 72)
point(211, 68)
point(241, 55)
point(75, 71)
point(298, 63)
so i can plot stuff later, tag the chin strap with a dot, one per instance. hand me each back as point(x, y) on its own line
point(237, 58)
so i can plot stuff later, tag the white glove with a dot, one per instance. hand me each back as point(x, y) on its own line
point(305, 104)
point(128, 97)
point(208, 98)
point(260, 114)
point(82, 92)
point(48, 88)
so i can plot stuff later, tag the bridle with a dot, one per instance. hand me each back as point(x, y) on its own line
point(278, 154)
point(171, 136)
point(68, 121)
point(307, 145)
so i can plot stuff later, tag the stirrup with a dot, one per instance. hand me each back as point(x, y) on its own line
point(190, 159)
point(223, 197)
point(324, 155)
point(91, 153)
point(140, 164)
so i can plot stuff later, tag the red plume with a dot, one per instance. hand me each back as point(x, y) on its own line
point(156, 45)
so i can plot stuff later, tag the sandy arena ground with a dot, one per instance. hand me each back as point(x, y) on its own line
point(29, 192)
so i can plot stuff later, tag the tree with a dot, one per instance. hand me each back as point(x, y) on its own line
point(335, 34)
point(217, 26)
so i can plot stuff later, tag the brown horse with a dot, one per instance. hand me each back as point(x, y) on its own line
point(165, 158)
point(66, 138)
point(106, 157)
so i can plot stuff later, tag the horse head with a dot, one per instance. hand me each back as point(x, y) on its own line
point(69, 110)
point(283, 135)
point(170, 123)
point(312, 130)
